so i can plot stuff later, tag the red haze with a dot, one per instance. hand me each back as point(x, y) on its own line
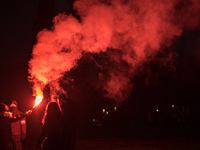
point(135, 28)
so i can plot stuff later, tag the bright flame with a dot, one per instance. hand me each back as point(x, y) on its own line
point(38, 98)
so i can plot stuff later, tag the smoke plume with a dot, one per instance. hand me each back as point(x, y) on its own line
point(132, 29)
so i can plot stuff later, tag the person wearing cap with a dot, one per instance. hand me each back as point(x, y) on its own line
point(18, 127)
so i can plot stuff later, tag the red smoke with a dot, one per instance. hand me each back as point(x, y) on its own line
point(136, 29)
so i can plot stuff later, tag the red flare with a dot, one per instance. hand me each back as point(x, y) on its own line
point(38, 98)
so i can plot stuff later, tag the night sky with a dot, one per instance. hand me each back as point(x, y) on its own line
point(17, 39)
point(17, 18)
point(18, 35)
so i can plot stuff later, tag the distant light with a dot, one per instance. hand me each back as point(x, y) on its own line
point(172, 106)
point(156, 108)
point(93, 120)
point(115, 108)
point(104, 110)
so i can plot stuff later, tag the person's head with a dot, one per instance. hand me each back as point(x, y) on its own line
point(53, 108)
point(13, 105)
point(52, 112)
point(62, 97)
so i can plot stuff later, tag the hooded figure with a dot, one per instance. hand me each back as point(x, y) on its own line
point(18, 127)
point(51, 137)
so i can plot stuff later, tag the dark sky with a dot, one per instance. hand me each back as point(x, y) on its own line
point(16, 42)
point(19, 25)
point(17, 19)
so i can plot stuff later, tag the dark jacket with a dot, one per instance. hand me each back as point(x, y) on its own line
point(51, 136)
point(69, 114)
point(70, 123)
point(18, 126)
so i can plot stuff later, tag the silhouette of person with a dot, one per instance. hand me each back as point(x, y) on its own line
point(51, 136)
point(18, 126)
point(70, 121)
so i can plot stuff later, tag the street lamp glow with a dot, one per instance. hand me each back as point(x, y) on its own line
point(115, 108)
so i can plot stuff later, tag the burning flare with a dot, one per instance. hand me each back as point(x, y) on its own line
point(39, 97)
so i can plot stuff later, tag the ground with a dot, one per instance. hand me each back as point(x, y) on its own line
point(132, 144)
point(156, 138)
